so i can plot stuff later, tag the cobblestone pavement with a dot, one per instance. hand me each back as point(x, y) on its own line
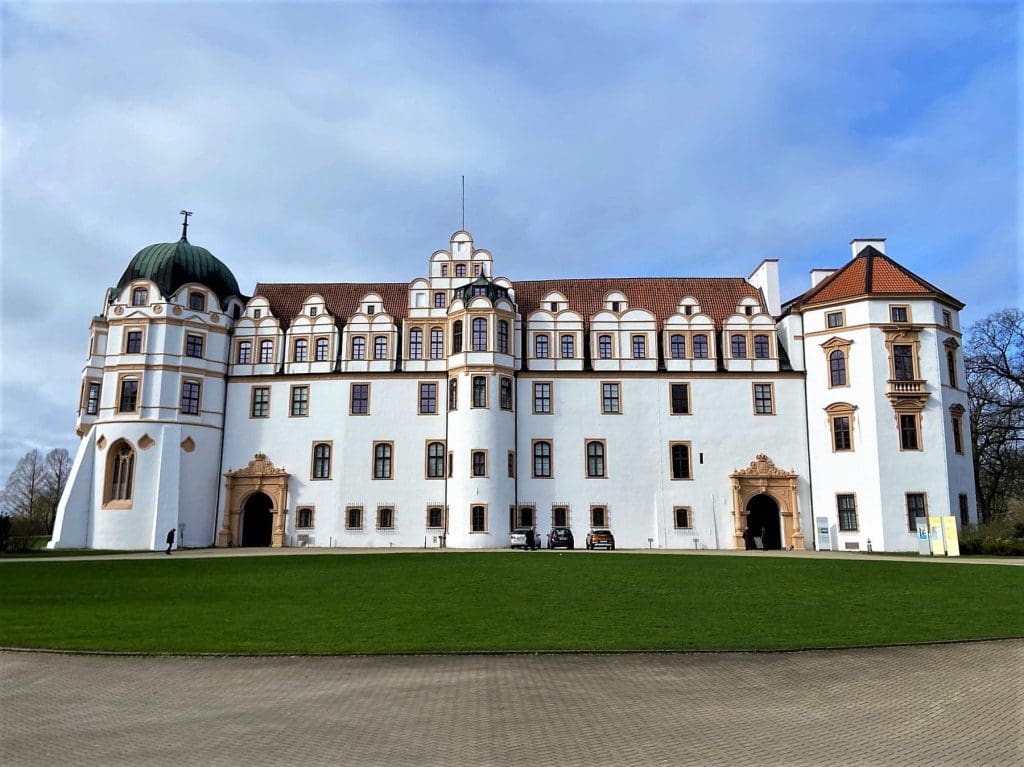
point(928, 705)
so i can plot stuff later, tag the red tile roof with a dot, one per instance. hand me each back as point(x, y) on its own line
point(717, 296)
point(870, 273)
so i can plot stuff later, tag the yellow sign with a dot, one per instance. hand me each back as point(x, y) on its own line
point(949, 532)
point(935, 534)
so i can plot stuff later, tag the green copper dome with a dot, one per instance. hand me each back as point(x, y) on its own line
point(173, 264)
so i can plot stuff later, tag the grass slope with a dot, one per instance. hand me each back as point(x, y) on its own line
point(465, 602)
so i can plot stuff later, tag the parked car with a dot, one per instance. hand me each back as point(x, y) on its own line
point(601, 539)
point(525, 538)
point(561, 538)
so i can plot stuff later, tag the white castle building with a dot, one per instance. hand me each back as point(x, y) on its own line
point(673, 411)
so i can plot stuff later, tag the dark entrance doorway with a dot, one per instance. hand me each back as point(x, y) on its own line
point(763, 518)
point(257, 520)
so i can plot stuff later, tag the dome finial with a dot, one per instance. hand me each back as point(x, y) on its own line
point(184, 224)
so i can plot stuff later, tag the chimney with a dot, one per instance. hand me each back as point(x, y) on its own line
point(859, 243)
point(766, 277)
point(817, 275)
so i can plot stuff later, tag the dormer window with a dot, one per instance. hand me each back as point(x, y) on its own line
point(140, 296)
point(236, 312)
point(476, 270)
point(479, 290)
point(371, 309)
point(197, 301)
point(748, 310)
point(615, 305)
point(312, 311)
point(257, 313)
point(439, 301)
point(554, 306)
point(688, 310)
point(460, 270)
point(444, 270)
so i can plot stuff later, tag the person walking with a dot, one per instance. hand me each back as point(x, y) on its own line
point(170, 541)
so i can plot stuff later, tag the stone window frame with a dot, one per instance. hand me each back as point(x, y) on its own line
point(292, 402)
point(112, 466)
point(198, 382)
point(563, 338)
point(390, 458)
point(414, 349)
point(267, 343)
point(472, 463)
point(137, 377)
point(568, 515)
point(841, 410)
point(671, 398)
point(190, 345)
point(912, 521)
point(473, 392)
point(348, 517)
point(247, 342)
point(312, 517)
point(378, 354)
point(840, 510)
point(472, 519)
point(326, 356)
point(587, 442)
point(956, 414)
point(444, 517)
point(352, 398)
point(688, 511)
point(505, 384)
point(136, 290)
point(604, 397)
point(329, 444)
point(422, 400)
point(771, 397)
point(550, 458)
point(253, 403)
point(916, 415)
point(427, 458)
point(605, 522)
point(127, 332)
point(305, 349)
point(88, 401)
point(535, 346)
point(894, 308)
point(550, 398)
point(672, 445)
point(952, 364)
point(841, 314)
point(361, 337)
point(381, 508)
point(633, 339)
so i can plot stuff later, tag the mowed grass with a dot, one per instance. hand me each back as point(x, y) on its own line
point(493, 602)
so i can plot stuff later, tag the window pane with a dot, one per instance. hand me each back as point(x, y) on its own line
point(321, 349)
point(502, 337)
point(540, 344)
point(568, 347)
point(639, 347)
point(739, 347)
point(436, 344)
point(678, 347)
point(457, 336)
point(903, 362)
point(841, 433)
point(700, 346)
point(415, 344)
point(847, 508)
point(761, 347)
point(604, 345)
point(908, 432)
point(680, 462)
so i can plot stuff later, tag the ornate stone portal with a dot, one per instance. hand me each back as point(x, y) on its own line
point(763, 476)
point(260, 476)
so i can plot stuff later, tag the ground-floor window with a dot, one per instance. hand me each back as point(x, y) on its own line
point(354, 518)
point(846, 507)
point(598, 516)
point(560, 516)
point(683, 517)
point(385, 518)
point(478, 519)
point(916, 507)
point(304, 518)
point(435, 517)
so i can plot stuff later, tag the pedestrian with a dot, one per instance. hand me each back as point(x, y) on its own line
point(170, 541)
point(748, 539)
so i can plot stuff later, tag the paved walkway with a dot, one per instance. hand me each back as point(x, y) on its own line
point(932, 705)
point(294, 551)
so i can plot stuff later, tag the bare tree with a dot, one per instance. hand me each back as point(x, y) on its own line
point(995, 386)
point(24, 496)
point(57, 469)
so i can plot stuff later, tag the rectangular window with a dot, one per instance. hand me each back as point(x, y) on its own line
point(841, 433)
point(321, 460)
point(951, 366)
point(360, 404)
point(435, 460)
point(354, 518)
point(382, 454)
point(322, 345)
point(505, 392)
point(193, 345)
point(301, 350)
point(763, 401)
point(683, 517)
point(916, 507)
point(358, 348)
point(436, 344)
point(190, 397)
point(260, 407)
point(598, 516)
point(133, 344)
point(910, 438)
point(428, 398)
point(898, 313)
point(610, 398)
point(903, 362)
point(300, 400)
point(846, 507)
point(140, 297)
point(947, 318)
point(502, 337)
point(479, 463)
point(197, 301)
point(453, 394)
point(244, 352)
point(435, 517)
point(415, 343)
point(511, 463)
point(385, 518)
point(479, 334)
point(541, 459)
point(680, 398)
point(639, 347)
point(478, 519)
point(266, 352)
point(568, 347)
point(679, 454)
point(542, 398)
point(965, 512)
point(700, 346)
point(92, 399)
point(304, 518)
point(834, 319)
point(479, 391)
point(738, 346)
point(380, 348)
point(521, 517)
point(540, 347)
point(559, 516)
point(958, 434)
point(595, 459)
point(439, 301)
point(129, 399)
point(604, 347)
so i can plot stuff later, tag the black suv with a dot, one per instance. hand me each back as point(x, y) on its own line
point(560, 538)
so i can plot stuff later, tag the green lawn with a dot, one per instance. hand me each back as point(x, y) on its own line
point(468, 602)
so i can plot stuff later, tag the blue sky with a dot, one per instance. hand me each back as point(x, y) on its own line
point(324, 142)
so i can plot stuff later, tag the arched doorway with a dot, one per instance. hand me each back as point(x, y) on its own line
point(257, 520)
point(764, 519)
point(259, 477)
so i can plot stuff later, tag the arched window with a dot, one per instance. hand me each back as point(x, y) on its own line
point(837, 368)
point(680, 461)
point(244, 352)
point(359, 348)
point(460, 270)
point(435, 460)
point(595, 459)
point(321, 349)
point(761, 348)
point(322, 461)
point(436, 343)
point(502, 337)
point(453, 394)
point(639, 347)
point(444, 270)
point(380, 347)
point(301, 350)
point(568, 347)
point(266, 352)
point(739, 347)
point(542, 459)
point(604, 347)
point(382, 460)
point(416, 344)
point(479, 391)
point(479, 334)
point(120, 471)
point(677, 346)
point(700, 346)
point(457, 336)
point(540, 347)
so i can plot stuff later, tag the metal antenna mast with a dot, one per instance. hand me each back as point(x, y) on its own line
point(184, 224)
point(463, 203)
